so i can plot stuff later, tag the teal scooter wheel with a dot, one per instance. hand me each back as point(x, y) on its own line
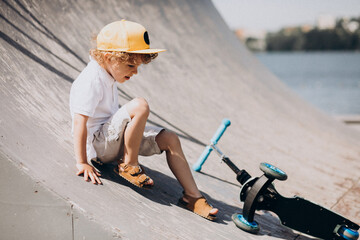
point(273, 172)
point(348, 234)
point(243, 224)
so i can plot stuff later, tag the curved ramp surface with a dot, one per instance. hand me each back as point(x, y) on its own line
point(205, 75)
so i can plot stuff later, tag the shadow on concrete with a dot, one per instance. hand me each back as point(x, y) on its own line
point(167, 191)
point(37, 43)
point(29, 54)
point(47, 32)
point(219, 179)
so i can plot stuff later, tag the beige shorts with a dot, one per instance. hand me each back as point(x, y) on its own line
point(109, 139)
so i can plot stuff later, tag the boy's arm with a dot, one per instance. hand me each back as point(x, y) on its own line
point(80, 135)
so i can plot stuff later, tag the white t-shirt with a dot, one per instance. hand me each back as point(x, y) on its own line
point(93, 94)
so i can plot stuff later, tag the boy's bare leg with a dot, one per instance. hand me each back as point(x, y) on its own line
point(169, 142)
point(138, 110)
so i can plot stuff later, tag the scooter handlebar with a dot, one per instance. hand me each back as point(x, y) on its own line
point(197, 166)
point(224, 124)
point(220, 131)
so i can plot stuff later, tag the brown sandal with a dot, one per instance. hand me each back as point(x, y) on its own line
point(199, 206)
point(133, 174)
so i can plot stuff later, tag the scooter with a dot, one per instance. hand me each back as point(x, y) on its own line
point(259, 193)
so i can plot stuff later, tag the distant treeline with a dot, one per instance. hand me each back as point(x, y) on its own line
point(341, 37)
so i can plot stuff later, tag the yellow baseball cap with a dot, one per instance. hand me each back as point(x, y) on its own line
point(125, 36)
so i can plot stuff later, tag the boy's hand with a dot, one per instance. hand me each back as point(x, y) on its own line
point(89, 172)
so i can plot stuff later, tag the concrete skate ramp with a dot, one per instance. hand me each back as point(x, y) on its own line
point(205, 76)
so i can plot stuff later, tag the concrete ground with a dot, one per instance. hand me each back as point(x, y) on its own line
point(206, 75)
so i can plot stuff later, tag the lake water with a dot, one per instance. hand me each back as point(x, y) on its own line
point(328, 80)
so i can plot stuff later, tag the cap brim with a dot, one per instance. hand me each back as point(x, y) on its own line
point(147, 51)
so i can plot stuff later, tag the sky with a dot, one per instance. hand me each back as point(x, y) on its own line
point(272, 15)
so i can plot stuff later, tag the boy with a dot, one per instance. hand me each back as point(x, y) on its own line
point(105, 133)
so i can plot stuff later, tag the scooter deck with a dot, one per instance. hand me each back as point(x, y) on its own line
point(307, 217)
point(296, 213)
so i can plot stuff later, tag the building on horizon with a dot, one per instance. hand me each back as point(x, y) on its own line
point(326, 22)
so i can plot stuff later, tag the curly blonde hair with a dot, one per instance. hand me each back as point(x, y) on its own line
point(123, 57)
